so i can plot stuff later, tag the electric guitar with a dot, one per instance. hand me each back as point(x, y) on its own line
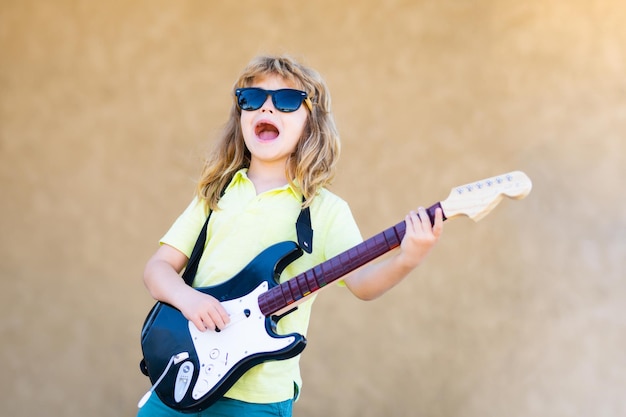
point(191, 370)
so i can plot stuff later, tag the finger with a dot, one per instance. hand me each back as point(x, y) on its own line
point(225, 316)
point(208, 322)
point(424, 219)
point(438, 226)
point(218, 320)
point(219, 316)
point(412, 221)
point(199, 323)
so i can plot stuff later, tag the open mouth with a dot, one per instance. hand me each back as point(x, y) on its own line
point(266, 131)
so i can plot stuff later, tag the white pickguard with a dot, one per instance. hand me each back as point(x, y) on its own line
point(245, 335)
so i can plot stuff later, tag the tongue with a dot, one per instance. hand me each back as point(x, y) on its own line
point(268, 134)
point(266, 131)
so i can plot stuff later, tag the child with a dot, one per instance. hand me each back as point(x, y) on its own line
point(277, 154)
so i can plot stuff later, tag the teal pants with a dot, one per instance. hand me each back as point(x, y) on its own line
point(224, 407)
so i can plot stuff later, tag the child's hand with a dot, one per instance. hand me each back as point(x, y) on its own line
point(162, 278)
point(204, 311)
point(375, 279)
point(420, 236)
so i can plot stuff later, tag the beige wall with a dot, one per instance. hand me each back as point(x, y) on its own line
point(106, 108)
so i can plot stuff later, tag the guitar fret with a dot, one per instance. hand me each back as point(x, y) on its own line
point(286, 294)
point(273, 299)
point(303, 285)
point(294, 289)
point(335, 266)
point(265, 302)
point(319, 276)
point(344, 259)
point(309, 276)
point(391, 236)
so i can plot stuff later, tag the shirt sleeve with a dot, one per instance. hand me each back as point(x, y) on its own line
point(340, 231)
point(183, 234)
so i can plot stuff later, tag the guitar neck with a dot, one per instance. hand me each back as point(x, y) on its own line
point(308, 282)
point(473, 200)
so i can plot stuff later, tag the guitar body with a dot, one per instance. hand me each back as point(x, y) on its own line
point(214, 360)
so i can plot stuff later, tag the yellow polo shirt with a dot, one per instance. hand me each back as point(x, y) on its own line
point(245, 225)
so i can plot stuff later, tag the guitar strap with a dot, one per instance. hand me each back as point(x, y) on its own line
point(196, 254)
point(303, 231)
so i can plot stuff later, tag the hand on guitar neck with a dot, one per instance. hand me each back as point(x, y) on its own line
point(420, 237)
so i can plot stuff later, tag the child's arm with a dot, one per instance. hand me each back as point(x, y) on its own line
point(162, 278)
point(373, 280)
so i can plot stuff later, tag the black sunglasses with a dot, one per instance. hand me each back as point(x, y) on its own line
point(286, 100)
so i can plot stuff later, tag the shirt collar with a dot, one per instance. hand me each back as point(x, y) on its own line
point(242, 175)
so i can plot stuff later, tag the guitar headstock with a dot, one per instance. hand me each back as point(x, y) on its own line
point(475, 200)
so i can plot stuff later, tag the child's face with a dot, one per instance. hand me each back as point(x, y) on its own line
point(270, 135)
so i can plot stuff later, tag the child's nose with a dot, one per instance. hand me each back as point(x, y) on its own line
point(268, 105)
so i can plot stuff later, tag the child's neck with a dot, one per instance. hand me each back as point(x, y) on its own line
point(267, 179)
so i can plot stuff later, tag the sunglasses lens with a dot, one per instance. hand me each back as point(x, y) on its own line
point(286, 100)
point(251, 98)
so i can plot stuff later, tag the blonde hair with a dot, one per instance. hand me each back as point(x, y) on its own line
point(312, 165)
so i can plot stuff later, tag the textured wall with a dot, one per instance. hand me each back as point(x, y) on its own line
point(107, 107)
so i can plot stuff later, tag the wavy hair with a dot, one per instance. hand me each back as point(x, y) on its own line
point(310, 167)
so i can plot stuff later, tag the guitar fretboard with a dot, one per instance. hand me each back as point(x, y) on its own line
point(314, 279)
